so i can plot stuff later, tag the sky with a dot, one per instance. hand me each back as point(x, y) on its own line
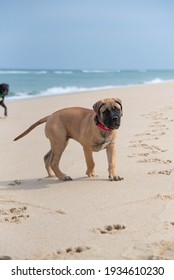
point(87, 34)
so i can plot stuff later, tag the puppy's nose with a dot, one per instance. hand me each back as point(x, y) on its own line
point(115, 118)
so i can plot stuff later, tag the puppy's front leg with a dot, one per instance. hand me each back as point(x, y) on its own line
point(111, 155)
point(89, 162)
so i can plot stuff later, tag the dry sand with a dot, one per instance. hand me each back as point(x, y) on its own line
point(43, 218)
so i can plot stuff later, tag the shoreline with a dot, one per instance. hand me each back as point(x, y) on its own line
point(43, 218)
point(64, 90)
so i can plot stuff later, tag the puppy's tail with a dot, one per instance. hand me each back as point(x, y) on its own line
point(31, 128)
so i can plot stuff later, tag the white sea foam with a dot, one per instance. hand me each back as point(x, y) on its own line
point(21, 72)
point(55, 91)
point(63, 72)
point(67, 90)
point(96, 71)
point(14, 72)
point(158, 81)
point(60, 90)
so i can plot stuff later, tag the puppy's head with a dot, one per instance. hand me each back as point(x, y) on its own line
point(109, 112)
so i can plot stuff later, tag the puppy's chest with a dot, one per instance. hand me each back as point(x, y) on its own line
point(101, 143)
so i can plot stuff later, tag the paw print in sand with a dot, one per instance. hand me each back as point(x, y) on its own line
point(110, 229)
point(13, 215)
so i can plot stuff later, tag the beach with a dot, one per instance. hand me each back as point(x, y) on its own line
point(90, 218)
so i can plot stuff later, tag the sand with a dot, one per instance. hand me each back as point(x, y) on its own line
point(90, 218)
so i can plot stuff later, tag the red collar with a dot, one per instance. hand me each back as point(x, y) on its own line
point(101, 125)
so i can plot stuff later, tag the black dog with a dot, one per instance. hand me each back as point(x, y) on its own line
point(4, 89)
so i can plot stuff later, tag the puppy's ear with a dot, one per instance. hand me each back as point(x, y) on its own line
point(97, 106)
point(117, 100)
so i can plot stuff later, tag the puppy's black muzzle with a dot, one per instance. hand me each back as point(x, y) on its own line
point(112, 119)
point(115, 122)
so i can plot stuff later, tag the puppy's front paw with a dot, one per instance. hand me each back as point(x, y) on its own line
point(116, 178)
point(91, 174)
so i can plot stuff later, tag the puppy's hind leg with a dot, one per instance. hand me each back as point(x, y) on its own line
point(47, 160)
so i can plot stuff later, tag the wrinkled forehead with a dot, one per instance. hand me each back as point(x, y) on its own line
point(110, 106)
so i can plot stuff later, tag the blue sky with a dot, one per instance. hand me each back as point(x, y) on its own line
point(87, 34)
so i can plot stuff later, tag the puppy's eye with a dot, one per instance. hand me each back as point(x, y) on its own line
point(115, 109)
point(106, 111)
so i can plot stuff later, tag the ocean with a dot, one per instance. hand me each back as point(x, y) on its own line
point(43, 82)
